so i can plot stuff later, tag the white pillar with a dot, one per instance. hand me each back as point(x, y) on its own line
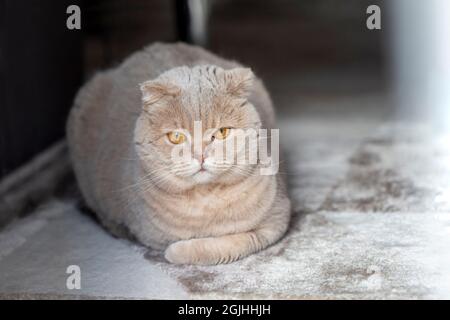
point(420, 43)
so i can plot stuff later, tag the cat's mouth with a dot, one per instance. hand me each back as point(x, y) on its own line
point(201, 171)
point(203, 175)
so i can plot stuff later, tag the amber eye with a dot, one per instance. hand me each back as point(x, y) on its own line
point(176, 137)
point(222, 133)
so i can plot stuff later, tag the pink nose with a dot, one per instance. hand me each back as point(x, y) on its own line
point(200, 158)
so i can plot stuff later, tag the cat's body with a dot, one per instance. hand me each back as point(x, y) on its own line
point(199, 222)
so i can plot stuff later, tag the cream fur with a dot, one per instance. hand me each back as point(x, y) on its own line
point(116, 139)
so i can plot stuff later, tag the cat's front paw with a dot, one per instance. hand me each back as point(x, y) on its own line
point(179, 252)
point(194, 251)
point(209, 251)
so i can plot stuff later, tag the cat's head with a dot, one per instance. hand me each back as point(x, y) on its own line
point(188, 115)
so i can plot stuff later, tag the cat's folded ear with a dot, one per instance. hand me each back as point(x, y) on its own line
point(155, 90)
point(239, 81)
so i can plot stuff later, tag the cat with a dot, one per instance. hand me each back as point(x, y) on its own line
point(122, 129)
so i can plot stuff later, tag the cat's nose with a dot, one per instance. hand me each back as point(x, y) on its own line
point(200, 158)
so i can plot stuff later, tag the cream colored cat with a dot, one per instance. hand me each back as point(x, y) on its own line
point(121, 131)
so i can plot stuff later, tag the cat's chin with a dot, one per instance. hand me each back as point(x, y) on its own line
point(202, 177)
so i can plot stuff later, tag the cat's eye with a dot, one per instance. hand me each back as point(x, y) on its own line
point(176, 137)
point(222, 133)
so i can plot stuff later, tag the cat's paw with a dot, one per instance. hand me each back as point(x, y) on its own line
point(193, 251)
point(179, 252)
point(205, 251)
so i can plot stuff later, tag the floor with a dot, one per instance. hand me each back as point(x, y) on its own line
point(371, 220)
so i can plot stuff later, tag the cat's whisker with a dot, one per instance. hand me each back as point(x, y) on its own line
point(142, 180)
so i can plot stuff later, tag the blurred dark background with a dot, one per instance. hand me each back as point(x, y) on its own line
point(302, 49)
